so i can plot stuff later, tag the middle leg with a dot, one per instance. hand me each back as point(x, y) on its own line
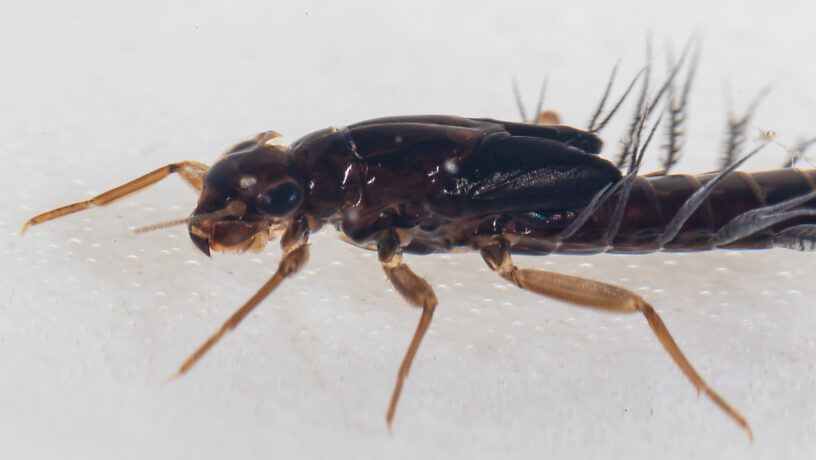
point(417, 292)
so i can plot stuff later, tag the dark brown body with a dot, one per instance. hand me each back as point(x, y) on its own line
point(425, 184)
point(655, 200)
point(449, 182)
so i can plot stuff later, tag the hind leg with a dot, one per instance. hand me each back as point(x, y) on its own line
point(601, 296)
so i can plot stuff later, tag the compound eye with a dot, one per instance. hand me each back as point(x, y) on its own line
point(281, 199)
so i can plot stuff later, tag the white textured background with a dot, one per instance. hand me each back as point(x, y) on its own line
point(93, 318)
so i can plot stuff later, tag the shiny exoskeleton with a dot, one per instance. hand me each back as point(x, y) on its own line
point(442, 183)
point(426, 184)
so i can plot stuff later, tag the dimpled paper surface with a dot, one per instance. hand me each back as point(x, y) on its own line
point(93, 318)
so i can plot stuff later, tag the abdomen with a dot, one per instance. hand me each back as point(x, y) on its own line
point(654, 201)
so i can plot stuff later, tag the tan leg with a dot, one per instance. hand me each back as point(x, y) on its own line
point(594, 294)
point(294, 258)
point(547, 117)
point(191, 172)
point(418, 293)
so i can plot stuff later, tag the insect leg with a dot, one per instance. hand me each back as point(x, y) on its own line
point(602, 296)
point(295, 255)
point(191, 172)
point(418, 293)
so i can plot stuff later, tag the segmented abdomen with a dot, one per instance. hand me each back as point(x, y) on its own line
point(654, 201)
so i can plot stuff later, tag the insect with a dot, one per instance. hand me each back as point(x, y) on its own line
point(432, 184)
